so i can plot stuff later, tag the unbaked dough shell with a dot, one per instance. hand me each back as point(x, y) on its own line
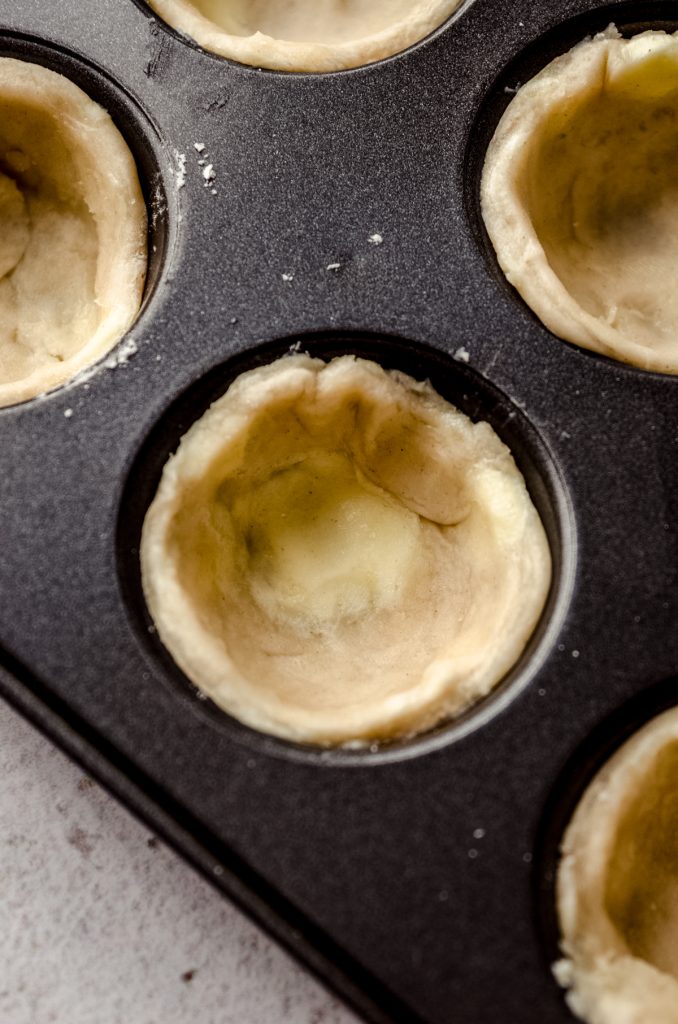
point(260, 50)
point(520, 253)
point(607, 983)
point(109, 186)
point(455, 677)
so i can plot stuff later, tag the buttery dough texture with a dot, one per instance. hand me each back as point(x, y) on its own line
point(73, 245)
point(580, 197)
point(336, 554)
point(305, 35)
point(618, 886)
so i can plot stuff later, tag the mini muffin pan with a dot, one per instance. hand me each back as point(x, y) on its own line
point(339, 213)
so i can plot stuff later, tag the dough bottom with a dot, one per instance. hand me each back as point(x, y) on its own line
point(580, 197)
point(73, 240)
point(618, 886)
point(336, 554)
point(305, 35)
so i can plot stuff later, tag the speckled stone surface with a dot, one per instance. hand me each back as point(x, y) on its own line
point(101, 924)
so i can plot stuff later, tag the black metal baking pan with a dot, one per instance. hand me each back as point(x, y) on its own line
point(415, 879)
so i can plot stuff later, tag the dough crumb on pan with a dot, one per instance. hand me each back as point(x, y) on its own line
point(337, 554)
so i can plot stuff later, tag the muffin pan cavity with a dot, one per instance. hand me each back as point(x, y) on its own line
point(336, 554)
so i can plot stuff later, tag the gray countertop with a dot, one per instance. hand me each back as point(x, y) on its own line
point(102, 924)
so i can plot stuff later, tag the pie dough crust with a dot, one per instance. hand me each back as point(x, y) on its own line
point(336, 554)
point(305, 35)
point(618, 886)
point(580, 196)
point(73, 245)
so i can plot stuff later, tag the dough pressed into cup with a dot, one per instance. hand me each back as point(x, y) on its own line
point(337, 554)
point(73, 247)
point(305, 35)
point(580, 196)
point(618, 886)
